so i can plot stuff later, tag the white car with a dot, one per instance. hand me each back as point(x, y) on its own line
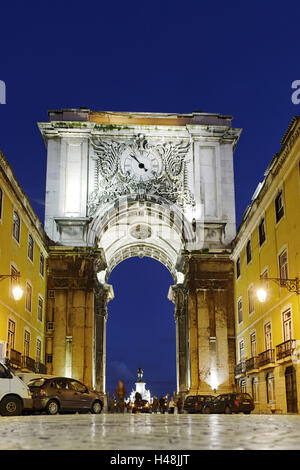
point(15, 395)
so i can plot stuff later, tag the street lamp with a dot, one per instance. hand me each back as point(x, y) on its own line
point(17, 290)
point(292, 285)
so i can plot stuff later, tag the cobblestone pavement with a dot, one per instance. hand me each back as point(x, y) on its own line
point(150, 432)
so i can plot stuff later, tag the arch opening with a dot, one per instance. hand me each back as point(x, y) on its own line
point(141, 330)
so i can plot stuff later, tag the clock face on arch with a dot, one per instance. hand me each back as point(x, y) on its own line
point(141, 166)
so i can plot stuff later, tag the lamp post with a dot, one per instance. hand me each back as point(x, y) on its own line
point(292, 285)
point(17, 290)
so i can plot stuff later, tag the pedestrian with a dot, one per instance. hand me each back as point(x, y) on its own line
point(171, 406)
point(162, 404)
point(155, 405)
point(179, 405)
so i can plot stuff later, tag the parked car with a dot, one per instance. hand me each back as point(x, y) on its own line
point(60, 394)
point(15, 396)
point(233, 403)
point(197, 403)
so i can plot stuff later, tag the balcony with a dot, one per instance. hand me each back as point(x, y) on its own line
point(266, 358)
point(252, 363)
point(240, 369)
point(15, 358)
point(286, 349)
point(40, 368)
point(28, 363)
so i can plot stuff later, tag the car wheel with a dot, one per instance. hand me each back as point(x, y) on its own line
point(52, 407)
point(206, 410)
point(228, 410)
point(96, 407)
point(10, 406)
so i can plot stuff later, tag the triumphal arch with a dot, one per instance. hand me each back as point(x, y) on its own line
point(140, 184)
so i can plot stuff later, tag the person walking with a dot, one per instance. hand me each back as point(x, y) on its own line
point(179, 405)
point(155, 405)
point(162, 404)
point(171, 406)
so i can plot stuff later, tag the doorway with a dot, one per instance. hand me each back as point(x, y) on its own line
point(291, 390)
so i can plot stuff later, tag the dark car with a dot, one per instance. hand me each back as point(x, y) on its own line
point(233, 403)
point(61, 394)
point(197, 403)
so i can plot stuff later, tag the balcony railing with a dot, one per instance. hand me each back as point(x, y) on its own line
point(28, 363)
point(40, 368)
point(285, 349)
point(266, 357)
point(252, 363)
point(240, 368)
point(15, 358)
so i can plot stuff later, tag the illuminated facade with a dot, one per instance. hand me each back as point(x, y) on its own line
point(141, 184)
point(22, 250)
point(267, 246)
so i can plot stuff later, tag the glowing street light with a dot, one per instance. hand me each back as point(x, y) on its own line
point(261, 294)
point(292, 285)
point(17, 290)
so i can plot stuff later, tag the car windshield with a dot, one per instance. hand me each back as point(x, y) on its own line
point(36, 383)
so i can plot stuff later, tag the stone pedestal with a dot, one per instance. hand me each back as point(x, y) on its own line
point(70, 323)
point(209, 280)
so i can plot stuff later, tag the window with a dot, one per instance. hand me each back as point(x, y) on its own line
point(26, 343)
point(38, 350)
point(243, 386)
point(268, 336)
point(16, 226)
point(1, 199)
point(30, 247)
point(40, 308)
point(28, 297)
point(238, 267)
point(279, 209)
point(287, 325)
point(253, 344)
point(241, 350)
point(240, 311)
point(11, 335)
point(270, 387)
point(251, 297)
point(42, 264)
point(49, 358)
point(255, 388)
point(283, 266)
point(248, 251)
point(262, 232)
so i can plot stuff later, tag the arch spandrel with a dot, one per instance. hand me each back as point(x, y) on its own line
point(141, 228)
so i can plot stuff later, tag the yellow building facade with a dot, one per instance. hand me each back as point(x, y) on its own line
point(22, 250)
point(267, 255)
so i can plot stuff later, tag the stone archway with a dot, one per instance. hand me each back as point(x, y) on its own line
point(141, 184)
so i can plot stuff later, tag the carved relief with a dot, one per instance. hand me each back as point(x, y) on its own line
point(138, 168)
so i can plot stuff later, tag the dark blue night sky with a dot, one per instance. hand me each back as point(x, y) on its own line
point(231, 58)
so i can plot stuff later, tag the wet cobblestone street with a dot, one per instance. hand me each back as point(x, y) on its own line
point(150, 432)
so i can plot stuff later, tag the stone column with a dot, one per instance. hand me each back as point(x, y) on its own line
point(103, 294)
point(209, 281)
point(70, 311)
point(178, 294)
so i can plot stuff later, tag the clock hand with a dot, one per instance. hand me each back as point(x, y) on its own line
point(141, 165)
